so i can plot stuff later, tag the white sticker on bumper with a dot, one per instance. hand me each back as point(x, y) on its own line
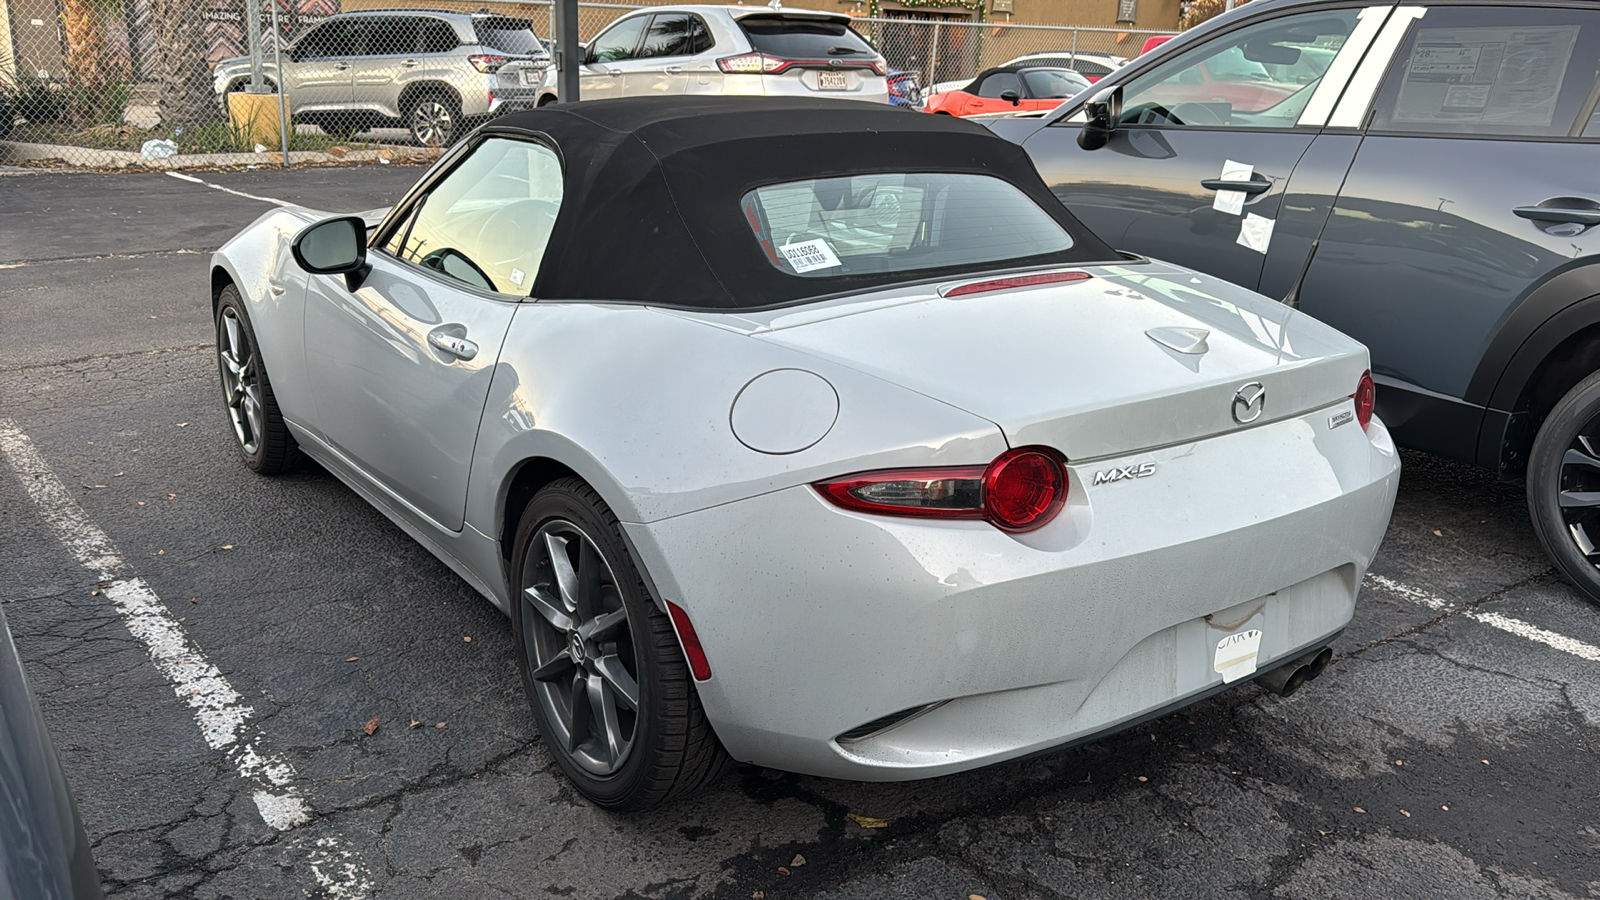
point(1236, 655)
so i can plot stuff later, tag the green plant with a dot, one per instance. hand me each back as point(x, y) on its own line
point(35, 100)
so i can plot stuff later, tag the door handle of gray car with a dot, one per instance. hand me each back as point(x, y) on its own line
point(408, 64)
point(340, 67)
point(453, 344)
point(674, 70)
point(1245, 187)
point(1559, 214)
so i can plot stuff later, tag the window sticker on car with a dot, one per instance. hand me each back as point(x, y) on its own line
point(1489, 76)
point(1236, 655)
point(1255, 232)
point(808, 255)
point(517, 275)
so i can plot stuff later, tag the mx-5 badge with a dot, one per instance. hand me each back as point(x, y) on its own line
point(1123, 473)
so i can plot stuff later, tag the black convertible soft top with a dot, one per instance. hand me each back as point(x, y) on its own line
point(651, 211)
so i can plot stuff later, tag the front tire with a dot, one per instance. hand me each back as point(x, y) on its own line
point(600, 662)
point(1564, 486)
point(263, 437)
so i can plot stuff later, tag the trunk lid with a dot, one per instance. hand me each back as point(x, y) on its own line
point(1094, 368)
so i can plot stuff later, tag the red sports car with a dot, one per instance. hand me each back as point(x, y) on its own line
point(1010, 88)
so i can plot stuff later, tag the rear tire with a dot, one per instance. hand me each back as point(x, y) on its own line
point(1565, 460)
point(258, 426)
point(434, 119)
point(586, 626)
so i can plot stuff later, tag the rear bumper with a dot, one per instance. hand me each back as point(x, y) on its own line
point(816, 620)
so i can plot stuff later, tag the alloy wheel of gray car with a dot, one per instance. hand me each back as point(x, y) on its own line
point(1564, 486)
point(264, 439)
point(432, 120)
point(608, 683)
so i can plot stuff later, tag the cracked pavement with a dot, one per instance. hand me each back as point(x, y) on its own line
point(1437, 757)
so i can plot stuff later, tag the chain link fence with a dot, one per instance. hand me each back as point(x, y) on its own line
point(110, 83)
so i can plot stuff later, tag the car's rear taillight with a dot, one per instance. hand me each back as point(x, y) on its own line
point(752, 64)
point(1366, 398)
point(1022, 490)
point(880, 66)
point(1015, 281)
point(487, 64)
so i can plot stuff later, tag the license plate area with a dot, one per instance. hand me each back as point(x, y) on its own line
point(530, 77)
point(832, 81)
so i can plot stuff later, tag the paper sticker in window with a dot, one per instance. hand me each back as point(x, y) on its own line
point(1508, 76)
point(806, 256)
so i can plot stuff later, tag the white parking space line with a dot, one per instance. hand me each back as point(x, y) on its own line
point(1493, 620)
point(217, 187)
point(219, 710)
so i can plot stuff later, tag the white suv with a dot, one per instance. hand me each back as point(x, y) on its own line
point(729, 50)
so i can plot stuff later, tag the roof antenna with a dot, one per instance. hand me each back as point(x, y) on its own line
point(775, 4)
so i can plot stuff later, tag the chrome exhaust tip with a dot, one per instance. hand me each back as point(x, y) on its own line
point(1292, 675)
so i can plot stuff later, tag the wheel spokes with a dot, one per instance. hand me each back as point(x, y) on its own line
point(1579, 499)
point(548, 607)
point(604, 710)
point(561, 563)
point(617, 679)
point(588, 581)
point(554, 669)
point(603, 624)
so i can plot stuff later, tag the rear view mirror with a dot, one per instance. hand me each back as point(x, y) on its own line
point(334, 247)
point(1270, 54)
point(1011, 97)
point(1102, 112)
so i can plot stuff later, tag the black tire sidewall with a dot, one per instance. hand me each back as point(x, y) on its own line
point(1556, 434)
point(576, 503)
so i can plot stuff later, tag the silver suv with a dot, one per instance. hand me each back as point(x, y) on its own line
point(729, 50)
point(430, 71)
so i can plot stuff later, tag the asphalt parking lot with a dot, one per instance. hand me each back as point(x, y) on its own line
point(1449, 751)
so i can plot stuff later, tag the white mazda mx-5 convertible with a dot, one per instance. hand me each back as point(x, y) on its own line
point(812, 434)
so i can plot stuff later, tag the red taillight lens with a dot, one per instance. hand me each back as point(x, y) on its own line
point(699, 666)
point(752, 64)
point(1366, 397)
point(880, 66)
point(1016, 281)
point(1024, 489)
point(1021, 490)
point(486, 63)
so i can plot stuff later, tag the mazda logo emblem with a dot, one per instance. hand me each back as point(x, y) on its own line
point(1249, 402)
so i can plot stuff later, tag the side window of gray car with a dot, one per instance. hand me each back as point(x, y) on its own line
point(438, 37)
point(618, 42)
point(332, 39)
point(1520, 71)
point(487, 222)
point(392, 36)
point(675, 34)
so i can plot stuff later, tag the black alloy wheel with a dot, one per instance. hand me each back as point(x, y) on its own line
point(1564, 486)
point(608, 683)
point(264, 439)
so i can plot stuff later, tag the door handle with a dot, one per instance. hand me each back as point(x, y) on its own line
point(674, 70)
point(1245, 187)
point(408, 64)
point(453, 344)
point(341, 67)
point(614, 73)
point(1571, 214)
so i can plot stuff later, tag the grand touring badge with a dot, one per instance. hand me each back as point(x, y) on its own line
point(1123, 473)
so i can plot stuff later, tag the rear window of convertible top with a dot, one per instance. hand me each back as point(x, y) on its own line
point(864, 224)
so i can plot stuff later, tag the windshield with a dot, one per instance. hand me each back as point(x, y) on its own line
point(796, 38)
point(1054, 83)
point(864, 224)
point(509, 36)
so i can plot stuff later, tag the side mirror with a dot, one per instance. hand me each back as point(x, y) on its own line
point(334, 247)
point(1011, 97)
point(586, 53)
point(1102, 111)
